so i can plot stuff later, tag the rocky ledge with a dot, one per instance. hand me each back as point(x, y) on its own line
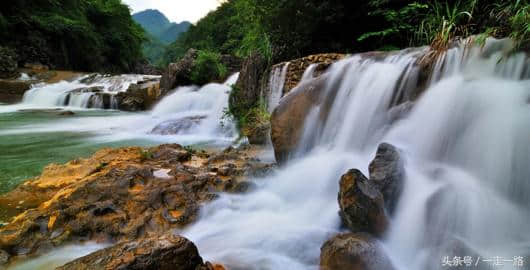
point(121, 195)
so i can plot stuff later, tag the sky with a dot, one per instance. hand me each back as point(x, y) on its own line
point(176, 10)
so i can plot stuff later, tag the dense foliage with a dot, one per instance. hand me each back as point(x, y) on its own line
point(286, 29)
point(72, 34)
point(207, 67)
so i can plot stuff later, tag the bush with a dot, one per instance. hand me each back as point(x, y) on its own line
point(8, 62)
point(207, 68)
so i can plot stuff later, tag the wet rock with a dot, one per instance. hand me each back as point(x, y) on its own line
point(130, 103)
point(288, 119)
point(67, 113)
point(179, 73)
point(92, 89)
point(114, 196)
point(353, 252)
point(12, 91)
point(173, 127)
point(361, 204)
point(149, 91)
point(4, 257)
point(400, 111)
point(387, 174)
point(160, 253)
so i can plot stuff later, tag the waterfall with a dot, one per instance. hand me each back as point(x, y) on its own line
point(196, 111)
point(466, 147)
point(87, 91)
point(309, 72)
point(276, 85)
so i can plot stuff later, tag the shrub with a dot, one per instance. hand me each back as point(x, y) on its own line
point(207, 68)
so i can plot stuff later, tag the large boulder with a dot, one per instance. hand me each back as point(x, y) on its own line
point(288, 119)
point(179, 73)
point(387, 174)
point(361, 204)
point(168, 252)
point(353, 252)
point(139, 96)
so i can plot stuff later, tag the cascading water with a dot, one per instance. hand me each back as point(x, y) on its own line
point(466, 148)
point(196, 113)
point(276, 85)
point(88, 91)
point(309, 72)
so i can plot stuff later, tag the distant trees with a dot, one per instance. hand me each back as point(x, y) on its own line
point(74, 34)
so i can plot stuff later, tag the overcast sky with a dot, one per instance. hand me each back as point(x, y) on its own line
point(176, 10)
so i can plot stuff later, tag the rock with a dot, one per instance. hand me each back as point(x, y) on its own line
point(116, 195)
point(353, 252)
point(149, 91)
point(232, 63)
point(12, 91)
point(144, 67)
point(400, 111)
point(288, 119)
point(8, 63)
point(36, 67)
point(297, 67)
point(129, 103)
point(67, 113)
point(168, 252)
point(173, 127)
point(4, 257)
point(179, 73)
point(387, 174)
point(247, 94)
point(257, 134)
point(361, 204)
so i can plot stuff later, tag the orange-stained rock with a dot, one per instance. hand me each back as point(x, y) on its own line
point(167, 252)
point(115, 195)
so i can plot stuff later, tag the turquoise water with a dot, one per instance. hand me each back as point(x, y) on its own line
point(25, 149)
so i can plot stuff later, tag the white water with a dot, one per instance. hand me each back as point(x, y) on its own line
point(58, 257)
point(466, 149)
point(276, 85)
point(60, 94)
point(207, 103)
point(309, 72)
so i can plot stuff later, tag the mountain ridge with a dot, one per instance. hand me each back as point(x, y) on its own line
point(159, 26)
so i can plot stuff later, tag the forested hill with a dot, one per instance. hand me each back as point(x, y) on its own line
point(159, 26)
point(284, 30)
point(88, 35)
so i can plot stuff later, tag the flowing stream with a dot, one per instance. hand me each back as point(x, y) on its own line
point(466, 147)
point(465, 142)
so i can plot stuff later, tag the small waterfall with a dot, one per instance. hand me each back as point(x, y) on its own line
point(309, 72)
point(276, 85)
point(465, 142)
point(88, 91)
point(196, 112)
